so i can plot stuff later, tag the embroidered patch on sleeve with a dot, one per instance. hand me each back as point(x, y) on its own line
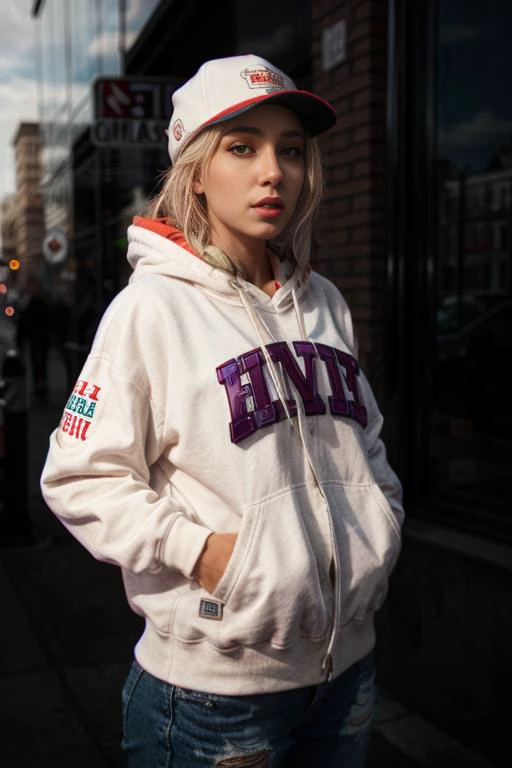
point(79, 410)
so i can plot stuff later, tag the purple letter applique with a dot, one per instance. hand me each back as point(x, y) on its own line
point(251, 405)
point(305, 383)
point(246, 419)
point(351, 368)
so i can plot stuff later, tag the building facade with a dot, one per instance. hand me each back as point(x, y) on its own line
point(23, 212)
point(8, 230)
point(415, 229)
point(28, 145)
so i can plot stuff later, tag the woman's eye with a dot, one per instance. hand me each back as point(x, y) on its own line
point(240, 149)
point(292, 152)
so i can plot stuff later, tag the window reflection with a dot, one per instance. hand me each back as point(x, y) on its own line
point(285, 39)
point(472, 414)
point(137, 14)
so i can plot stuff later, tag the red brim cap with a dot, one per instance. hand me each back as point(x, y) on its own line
point(316, 114)
point(221, 89)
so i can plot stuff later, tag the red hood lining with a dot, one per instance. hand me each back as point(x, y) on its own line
point(161, 227)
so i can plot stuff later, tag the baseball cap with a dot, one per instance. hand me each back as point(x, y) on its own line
point(224, 88)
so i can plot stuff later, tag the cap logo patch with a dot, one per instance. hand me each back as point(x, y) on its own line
point(178, 130)
point(262, 77)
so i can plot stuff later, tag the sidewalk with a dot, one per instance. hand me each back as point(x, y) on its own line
point(66, 640)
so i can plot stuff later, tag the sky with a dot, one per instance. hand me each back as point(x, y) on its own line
point(18, 84)
point(474, 65)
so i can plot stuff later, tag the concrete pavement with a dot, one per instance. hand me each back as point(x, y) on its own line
point(66, 640)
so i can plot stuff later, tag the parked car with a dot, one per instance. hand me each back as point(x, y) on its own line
point(454, 312)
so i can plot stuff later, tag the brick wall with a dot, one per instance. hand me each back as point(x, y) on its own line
point(352, 227)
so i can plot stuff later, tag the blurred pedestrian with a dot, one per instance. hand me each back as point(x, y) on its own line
point(222, 446)
point(33, 331)
point(61, 325)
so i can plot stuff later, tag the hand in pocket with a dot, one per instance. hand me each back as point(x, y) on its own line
point(213, 560)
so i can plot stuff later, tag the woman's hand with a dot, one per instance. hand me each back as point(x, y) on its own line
point(213, 560)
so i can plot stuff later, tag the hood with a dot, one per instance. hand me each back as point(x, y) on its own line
point(155, 247)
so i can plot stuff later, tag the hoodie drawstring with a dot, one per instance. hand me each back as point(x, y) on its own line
point(300, 317)
point(257, 322)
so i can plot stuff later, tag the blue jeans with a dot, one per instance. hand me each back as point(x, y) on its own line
point(326, 725)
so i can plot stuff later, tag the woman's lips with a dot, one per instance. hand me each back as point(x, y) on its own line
point(268, 213)
point(269, 207)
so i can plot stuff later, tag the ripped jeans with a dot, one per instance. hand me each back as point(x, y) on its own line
point(325, 726)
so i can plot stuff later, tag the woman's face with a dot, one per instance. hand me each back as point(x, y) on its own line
point(254, 178)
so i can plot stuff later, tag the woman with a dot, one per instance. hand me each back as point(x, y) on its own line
point(222, 446)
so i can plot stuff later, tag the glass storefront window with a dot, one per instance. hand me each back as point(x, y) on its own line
point(137, 14)
point(53, 60)
point(471, 415)
point(106, 44)
point(91, 43)
point(283, 38)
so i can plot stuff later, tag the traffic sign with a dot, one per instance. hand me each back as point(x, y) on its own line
point(132, 111)
point(55, 246)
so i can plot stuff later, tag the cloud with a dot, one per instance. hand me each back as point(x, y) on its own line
point(107, 44)
point(16, 28)
point(54, 96)
point(18, 103)
point(138, 12)
point(484, 128)
point(18, 83)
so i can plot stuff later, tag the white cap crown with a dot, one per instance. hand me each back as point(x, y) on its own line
point(223, 88)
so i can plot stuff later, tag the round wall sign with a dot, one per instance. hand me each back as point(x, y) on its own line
point(55, 246)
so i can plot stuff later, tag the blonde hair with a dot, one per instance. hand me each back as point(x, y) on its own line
point(178, 202)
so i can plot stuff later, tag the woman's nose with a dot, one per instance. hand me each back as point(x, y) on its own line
point(271, 171)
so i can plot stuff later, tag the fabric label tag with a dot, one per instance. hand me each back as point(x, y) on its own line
point(210, 609)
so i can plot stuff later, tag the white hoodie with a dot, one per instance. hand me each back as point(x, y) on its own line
point(205, 405)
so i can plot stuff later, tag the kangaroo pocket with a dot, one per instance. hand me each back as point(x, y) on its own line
point(272, 589)
point(368, 540)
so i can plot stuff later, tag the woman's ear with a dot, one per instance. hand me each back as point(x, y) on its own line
point(197, 186)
